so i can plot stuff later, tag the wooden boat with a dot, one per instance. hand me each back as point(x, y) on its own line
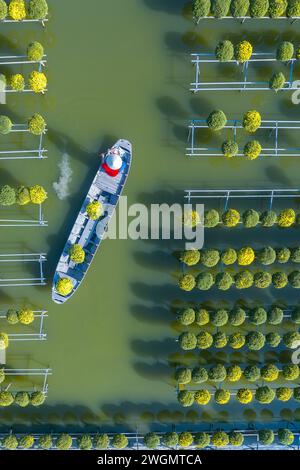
point(106, 188)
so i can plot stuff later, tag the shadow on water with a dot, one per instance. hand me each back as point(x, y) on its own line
point(170, 6)
point(153, 315)
point(56, 242)
point(159, 371)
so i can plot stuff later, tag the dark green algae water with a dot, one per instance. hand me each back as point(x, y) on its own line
point(121, 69)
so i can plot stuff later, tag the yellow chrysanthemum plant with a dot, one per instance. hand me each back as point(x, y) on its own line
point(64, 286)
point(38, 195)
point(17, 10)
point(17, 82)
point(252, 121)
point(286, 218)
point(243, 51)
point(37, 82)
point(191, 218)
point(246, 256)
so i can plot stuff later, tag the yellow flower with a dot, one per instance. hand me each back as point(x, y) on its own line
point(37, 81)
point(244, 396)
point(17, 10)
point(38, 194)
point(191, 219)
point(202, 397)
point(252, 121)
point(286, 218)
point(17, 82)
point(64, 286)
point(243, 51)
point(246, 256)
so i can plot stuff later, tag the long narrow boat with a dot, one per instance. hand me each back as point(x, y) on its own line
point(106, 189)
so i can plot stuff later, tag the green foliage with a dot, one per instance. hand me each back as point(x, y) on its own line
point(219, 317)
point(220, 8)
point(294, 279)
point(239, 8)
point(187, 316)
point(201, 440)
point(244, 396)
point(202, 317)
point(210, 258)
point(2, 375)
point(295, 255)
point(224, 51)
point(204, 340)
point(284, 394)
point(268, 218)
point(217, 373)
point(291, 339)
point(285, 51)
point(266, 437)
point(297, 394)
point(229, 256)
point(36, 124)
point(23, 196)
point(258, 8)
point(170, 439)
point(151, 440)
point(205, 281)
point(275, 316)
point(7, 196)
point(201, 8)
point(199, 375)
point(85, 442)
point(5, 125)
point(187, 341)
point(211, 218)
point(101, 441)
point(252, 150)
point(231, 218)
point(119, 441)
point(236, 439)
point(224, 281)
point(277, 81)
point(64, 442)
point(269, 372)
point(190, 257)
point(244, 279)
point(255, 340)
point(3, 10)
point(45, 441)
point(296, 316)
point(77, 254)
point(258, 316)
point(6, 399)
point(22, 399)
point(273, 339)
point(26, 442)
point(183, 376)
point(264, 395)
point(37, 9)
point(293, 8)
point(283, 255)
point(187, 282)
point(217, 120)
point(277, 8)
point(266, 255)
point(279, 280)
point(236, 340)
point(290, 371)
point(252, 373)
point(237, 316)
point(220, 340)
point(17, 82)
point(12, 316)
point(262, 279)
point(35, 51)
point(285, 437)
point(222, 396)
point(10, 442)
point(186, 398)
point(37, 398)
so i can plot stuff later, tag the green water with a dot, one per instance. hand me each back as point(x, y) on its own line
point(121, 69)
